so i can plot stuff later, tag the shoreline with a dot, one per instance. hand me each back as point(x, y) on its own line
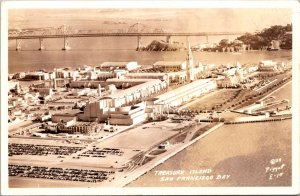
point(173, 153)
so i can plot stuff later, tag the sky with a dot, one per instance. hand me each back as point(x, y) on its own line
point(182, 20)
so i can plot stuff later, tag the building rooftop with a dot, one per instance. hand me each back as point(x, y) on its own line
point(36, 73)
point(72, 112)
point(146, 74)
point(148, 83)
point(168, 63)
point(116, 63)
point(182, 89)
point(129, 80)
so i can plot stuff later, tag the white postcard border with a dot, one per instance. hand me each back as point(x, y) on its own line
point(294, 189)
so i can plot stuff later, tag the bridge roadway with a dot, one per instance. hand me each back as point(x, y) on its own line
point(123, 34)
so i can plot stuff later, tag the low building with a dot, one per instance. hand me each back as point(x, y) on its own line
point(13, 85)
point(209, 67)
point(44, 117)
point(132, 65)
point(201, 47)
point(228, 82)
point(65, 116)
point(85, 91)
point(170, 66)
point(45, 91)
point(152, 75)
point(129, 115)
point(103, 76)
point(36, 76)
point(267, 65)
point(61, 73)
point(73, 127)
point(52, 75)
point(85, 84)
point(19, 75)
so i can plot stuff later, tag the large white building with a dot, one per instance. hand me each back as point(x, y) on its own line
point(120, 105)
point(182, 94)
point(142, 88)
point(102, 111)
point(96, 110)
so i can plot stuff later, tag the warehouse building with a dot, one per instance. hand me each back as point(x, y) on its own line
point(185, 93)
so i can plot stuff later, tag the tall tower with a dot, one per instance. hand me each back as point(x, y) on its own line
point(99, 90)
point(54, 83)
point(189, 62)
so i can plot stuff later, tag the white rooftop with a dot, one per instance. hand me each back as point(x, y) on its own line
point(148, 83)
point(146, 74)
point(168, 63)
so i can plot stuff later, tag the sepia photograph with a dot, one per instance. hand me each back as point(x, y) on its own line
point(149, 97)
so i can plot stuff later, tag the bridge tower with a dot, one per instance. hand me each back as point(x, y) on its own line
point(189, 62)
point(42, 46)
point(139, 43)
point(64, 30)
point(135, 28)
point(18, 44)
point(66, 44)
point(169, 40)
point(139, 38)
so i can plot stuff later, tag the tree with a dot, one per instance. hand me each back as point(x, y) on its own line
point(263, 39)
point(286, 42)
point(224, 43)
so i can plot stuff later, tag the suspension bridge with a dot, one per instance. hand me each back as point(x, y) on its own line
point(136, 30)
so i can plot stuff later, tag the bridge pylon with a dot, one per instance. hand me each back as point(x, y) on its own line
point(207, 39)
point(42, 46)
point(139, 43)
point(66, 44)
point(18, 44)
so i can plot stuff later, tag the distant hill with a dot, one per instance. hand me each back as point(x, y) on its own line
point(264, 38)
point(160, 45)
